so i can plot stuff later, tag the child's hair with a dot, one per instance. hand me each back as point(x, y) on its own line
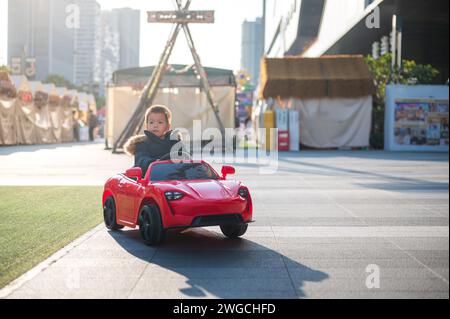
point(161, 109)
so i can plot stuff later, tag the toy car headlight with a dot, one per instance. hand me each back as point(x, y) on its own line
point(173, 195)
point(243, 192)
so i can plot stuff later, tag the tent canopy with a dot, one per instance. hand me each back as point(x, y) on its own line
point(21, 83)
point(36, 86)
point(62, 91)
point(312, 78)
point(176, 75)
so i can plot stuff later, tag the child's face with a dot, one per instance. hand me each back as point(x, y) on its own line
point(157, 124)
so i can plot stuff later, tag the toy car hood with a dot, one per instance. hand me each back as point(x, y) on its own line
point(203, 189)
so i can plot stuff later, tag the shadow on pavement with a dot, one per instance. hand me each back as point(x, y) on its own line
point(392, 182)
point(203, 257)
point(369, 155)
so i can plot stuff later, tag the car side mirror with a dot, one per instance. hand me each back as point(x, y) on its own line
point(134, 173)
point(227, 170)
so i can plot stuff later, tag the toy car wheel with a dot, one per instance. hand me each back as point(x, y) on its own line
point(150, 225)
point(234, 231)
point(109, 214)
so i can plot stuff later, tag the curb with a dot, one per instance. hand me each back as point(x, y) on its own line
point(29, 275)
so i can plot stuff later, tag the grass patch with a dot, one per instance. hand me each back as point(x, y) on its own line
point(35, 222)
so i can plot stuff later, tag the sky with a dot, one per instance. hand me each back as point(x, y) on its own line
point(219, 44)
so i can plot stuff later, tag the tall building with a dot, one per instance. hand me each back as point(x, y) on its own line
point(119, 42)
point(252, 48)
point(126, 22)
point(87, 45)
point(73, 39)
point(37, 29)
point(44, 30)
point(108, 60)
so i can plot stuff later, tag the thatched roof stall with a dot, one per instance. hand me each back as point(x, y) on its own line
point(308, 78)
point(331, 94)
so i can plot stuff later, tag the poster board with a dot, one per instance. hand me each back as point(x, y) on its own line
point(416, 118)
point(83, 102)
point(282, 122)
point(294, 130)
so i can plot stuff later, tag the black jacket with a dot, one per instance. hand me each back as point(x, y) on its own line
point(149, 148)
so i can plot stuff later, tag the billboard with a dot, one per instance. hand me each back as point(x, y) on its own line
point(421, 122)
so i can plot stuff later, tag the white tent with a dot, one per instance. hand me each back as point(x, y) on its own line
point(333, 95)
point(180, 92)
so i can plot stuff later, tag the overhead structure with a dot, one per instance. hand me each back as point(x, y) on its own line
point(180, 18)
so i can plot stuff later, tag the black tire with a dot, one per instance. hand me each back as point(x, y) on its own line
point(109, 214)
point(150, 225)
point(234, 231)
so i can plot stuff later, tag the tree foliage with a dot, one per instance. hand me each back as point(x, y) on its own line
point(61, 82)
point(4, 68)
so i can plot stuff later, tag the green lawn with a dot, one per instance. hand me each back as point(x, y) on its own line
point(35, 222)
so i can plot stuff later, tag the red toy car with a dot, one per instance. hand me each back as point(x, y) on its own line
point(176, 195)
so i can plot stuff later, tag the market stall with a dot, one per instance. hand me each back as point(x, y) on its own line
point(8, 95)
point(179, 90)
point(33, 113)
point(332, 95)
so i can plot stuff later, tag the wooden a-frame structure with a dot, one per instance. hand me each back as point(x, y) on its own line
point(180, 18)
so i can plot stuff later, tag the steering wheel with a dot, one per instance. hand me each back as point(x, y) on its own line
point(176, 156)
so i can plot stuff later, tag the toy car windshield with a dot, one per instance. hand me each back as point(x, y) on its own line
point(182, 171)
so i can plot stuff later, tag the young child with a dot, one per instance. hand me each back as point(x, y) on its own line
point(156, 142)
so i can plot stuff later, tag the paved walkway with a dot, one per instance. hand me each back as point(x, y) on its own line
point(61, 164)
point(327, 224)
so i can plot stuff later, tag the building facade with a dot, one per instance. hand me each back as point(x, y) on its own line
point(313, 28)
point(126, 22)
point(119, 41)
point(108, 60)
point(87, 49)
point(37, 30)
point(73, 39)
point(252, 48)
